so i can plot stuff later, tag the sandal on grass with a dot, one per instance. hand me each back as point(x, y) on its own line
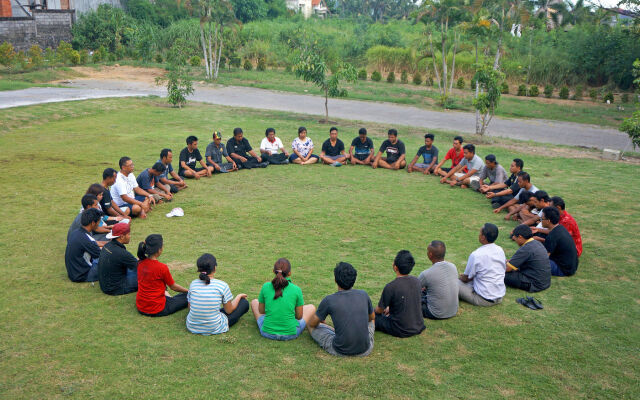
point(536, 303)
point(525, 302)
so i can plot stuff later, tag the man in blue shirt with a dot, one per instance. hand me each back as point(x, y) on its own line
point(429, 153)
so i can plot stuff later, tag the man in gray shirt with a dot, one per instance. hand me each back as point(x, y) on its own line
point(470, 161)
point(214, 155)
point(492, 170)
point(439, 285)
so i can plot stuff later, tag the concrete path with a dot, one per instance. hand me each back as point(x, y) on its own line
point(543, 131)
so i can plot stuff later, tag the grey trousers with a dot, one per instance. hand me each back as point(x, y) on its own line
point(323, 335)
point(466, 293)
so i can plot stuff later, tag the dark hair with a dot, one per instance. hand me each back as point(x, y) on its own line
point(552, 214)
point(392, 132)
point(524, 197)
point(491, 158)
point(438, 249)
point(191, 139)
point(90, 216)
point(519, 163)
point(404, 261)
point(542, 195)
point(301, 129)
point(558, 202)
point(429, 136)
point(151, 245)
point(525, 176)
point(158, 167)
point(95, 189)
point(490, 232)
point(266, 133)
point(345, 275)
point(281, 268)
point(362, 131)
point(88, 200)
point(165, 153)
point(459, 139)
point(108, 173)
point(237, 131)
point(470, 148)
point(123, 161)
point(522, 230)
point(206, 265)
point(333, 128)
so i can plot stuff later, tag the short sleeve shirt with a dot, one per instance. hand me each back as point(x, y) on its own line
point(441, 284)
point(394, 151)
point(402, 296)
point(302, 147)
point(454, 157)
point(562, 250)
point(475, 163)
point(362, 148)
point(153, 278)
point(240, 148)
point(205, 304)
point(216, 153)
point(349, 311)
point(571, 225)
point(333, 151)
point(487, 266)
point(280, 313)
point(274, 147)
point(532, 261)
point(496, 175)
point(146, 181)
point(532, 189)
point(168, 169)
point(105, 203)
point(124, 186)
point(428, 155)
point(190, 158)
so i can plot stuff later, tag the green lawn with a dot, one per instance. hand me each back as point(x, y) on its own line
point(67, 340)
point(38, 78)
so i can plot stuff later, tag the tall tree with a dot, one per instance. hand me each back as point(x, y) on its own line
point(215, 16)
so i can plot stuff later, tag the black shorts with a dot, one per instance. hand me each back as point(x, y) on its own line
point(197, 169)
point(361, 157)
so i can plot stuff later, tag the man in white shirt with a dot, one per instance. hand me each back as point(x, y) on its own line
point(126, 193)
point(482, 283)
point(270, 148)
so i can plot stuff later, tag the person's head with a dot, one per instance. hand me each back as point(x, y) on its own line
point(120, 232)
point(282, 269)
point(469, 151)
point(523, 179)
point(192, 142)
point(516, 166)
point(109, 176)
point(362, 132)
point(521, 234)
point(490, 161)
point(404, 262)
point(166, 156)
point(550, 217)
point(525, 198)
point(457, 142)
point(345, 275)
point(157, 169)
point(542, 199)
point(392, 135)
point(89, 201)
point(90, 218)
point(96, 189)
point(206, 266)
point(428, 139)
point(558, 203)
point(126, 165)
point(436, 251)
point(333, 133)
point(302, 132)
point(270, 133)
point(238, 134)
point(151, 247)
point(488, 233)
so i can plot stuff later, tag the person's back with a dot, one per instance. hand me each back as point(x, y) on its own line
point(441, 284)
point(280, 318)
point(349, 311)
point(75, 225)
point(489, 266)
point(205, 305)
point(117, 268)
point(402, 295)
point(532, 261)
point(562, 249)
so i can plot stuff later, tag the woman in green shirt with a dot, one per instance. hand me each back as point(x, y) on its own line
point(279, 309)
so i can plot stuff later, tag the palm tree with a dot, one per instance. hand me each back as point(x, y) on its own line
point(550, 11)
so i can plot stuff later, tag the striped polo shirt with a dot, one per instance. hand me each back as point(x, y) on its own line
point(205, 302)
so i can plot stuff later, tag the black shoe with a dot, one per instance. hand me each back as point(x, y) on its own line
point(263, 164)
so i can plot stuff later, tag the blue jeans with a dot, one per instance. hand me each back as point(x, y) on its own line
point(92, 276)
point(301, 326)
point(555, 270)
point(131, 281)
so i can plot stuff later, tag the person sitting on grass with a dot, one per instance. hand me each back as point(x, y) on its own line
point(106, 203)
point(500, 193)
point(89, 201)
point(177, 183)
point(214, 154)
point(272, 149)
point(473, 165)
point(439, 284)
point(395, 149)
point(399, 311)
point(482, 283)
point(567, 221)
point(126, 188)
point(117, 268)
point(242, 153)
point(524, 185)
point(302, 148)
point(563, 255)
point(526, 202)
point(352, 314)
point(212, 307)
point(333, 150)
point(429, 153)
point(492, 170)
point(83, 251)
point(189, 156)
point(153, 299)
point(279, 309)
point(361, 150)
point(97, 190)
point(149, 179)
point(528, 269)
point(540, 200)
point(455, 154)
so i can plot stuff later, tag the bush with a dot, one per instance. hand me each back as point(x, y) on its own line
point(564, 92)
point(158, 58)
point(548, 91)
point(534, 91)
point(608, 96)
point(460, 83)
point(7, 54)
point(84, 56)
point(577, 94)
point(247, 65)
point(111, 57)
point(35, 56)
point(391, 78)
point(195, 61)
point(417, 78)
point(49, 56)
point(63, 52)
point(376, 76)
point(625, 98)
point(235, 62)
point(362, 74)
point(404, 77)
point(504, 88)
point(593, 94)
point(262, 64)
point(522, 90)
point(429, 81)
point(74, 57)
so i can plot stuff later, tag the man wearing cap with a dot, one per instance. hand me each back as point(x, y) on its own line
point(148, 180)
point(117, 268)
point(214, 153)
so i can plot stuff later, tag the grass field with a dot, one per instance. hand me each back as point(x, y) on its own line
point(67, 340)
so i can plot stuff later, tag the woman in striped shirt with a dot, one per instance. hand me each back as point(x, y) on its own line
point(212, 308)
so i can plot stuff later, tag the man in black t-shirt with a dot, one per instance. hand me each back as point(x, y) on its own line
point(189, 156)
point(333, 150)
point(529, 268)
point(352, 314)
point(363, 147)
point(499, 193)
point(117, 268)
point(399, 312)
point(108, 206)
point(563, 256)
point(395, 149)
point(240, 150)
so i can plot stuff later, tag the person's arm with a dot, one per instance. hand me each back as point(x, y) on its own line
point(299, 312)
point(433, 162)
point(415, 159)
point(177, 288)
point(351, 151)
point(263, 149)
point(383, 304)
point(506, 205)
point(139, 191)
point(231, 306)
point(376, 160)
point(257, 157)
point(515, 211)
point(495, 186)
point(467, 175)
point(175, 176)
point(313, 321)
point(469, 271)
point(309, 154)
point(532, 220)
point(261, 308)
point(284, 151)
point(131, 200)
point(215, 165)
point(451, 172)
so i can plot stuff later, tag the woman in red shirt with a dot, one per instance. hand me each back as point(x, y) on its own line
point(152, 299)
